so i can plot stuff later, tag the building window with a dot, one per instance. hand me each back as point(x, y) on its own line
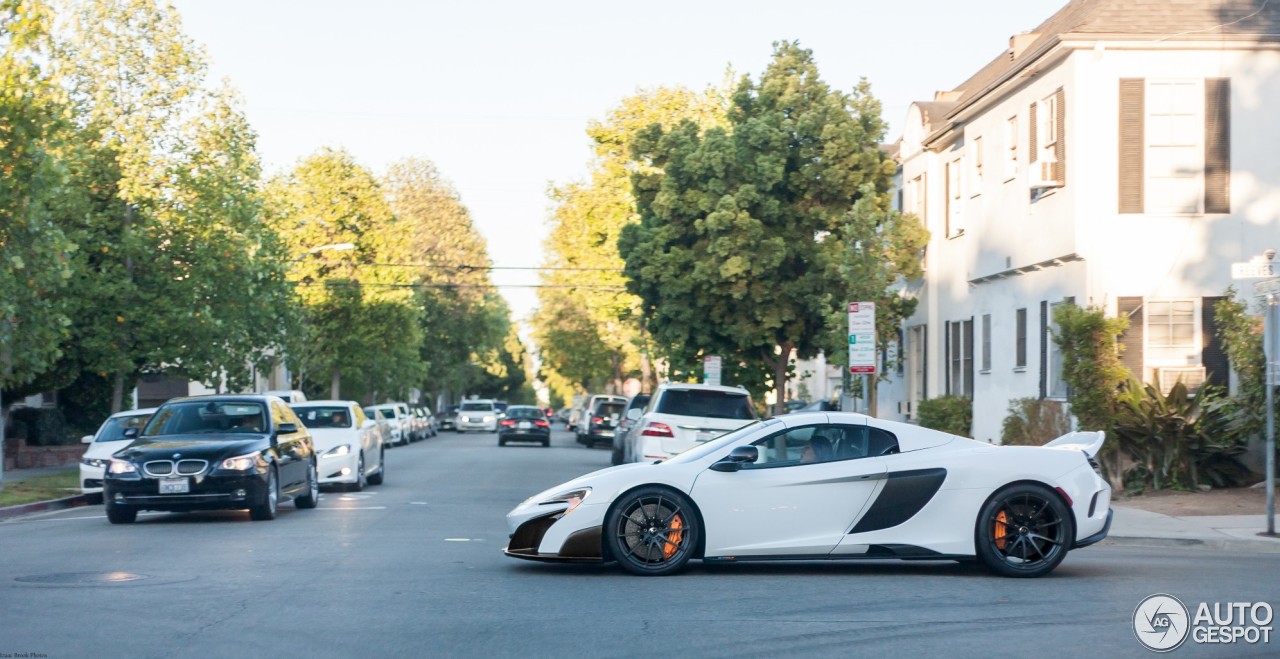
point(960, 351)
point(1020, 343)
point(1011, 148)
point(955, 226)
point(976, 188)
point(986, 343)
point(917, 356)
point(1175, 153)
point(1048, 128)
point(1171, 332)
point(1056, 385)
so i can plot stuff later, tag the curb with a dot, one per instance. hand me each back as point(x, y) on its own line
point(48, 506)
point(1232, 544)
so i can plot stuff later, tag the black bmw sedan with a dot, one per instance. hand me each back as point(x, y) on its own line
point(214, 452)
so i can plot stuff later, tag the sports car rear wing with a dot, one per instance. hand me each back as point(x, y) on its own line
point(1089, 441)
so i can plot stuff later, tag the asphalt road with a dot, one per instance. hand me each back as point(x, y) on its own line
point(413, 568)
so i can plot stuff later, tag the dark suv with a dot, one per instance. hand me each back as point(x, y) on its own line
point(600, 424)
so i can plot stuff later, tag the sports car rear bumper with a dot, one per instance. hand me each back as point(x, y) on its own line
point(1097, 537)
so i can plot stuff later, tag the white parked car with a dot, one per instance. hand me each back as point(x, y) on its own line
point(833, 486)
point(287, 395)
point(109, 439)
point(349, 444)
point(681, 416)
point(479, 414)
point(398, 416)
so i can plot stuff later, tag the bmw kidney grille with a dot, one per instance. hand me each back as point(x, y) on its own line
point(164, 468)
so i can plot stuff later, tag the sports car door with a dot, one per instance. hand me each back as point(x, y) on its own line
point(799, 498)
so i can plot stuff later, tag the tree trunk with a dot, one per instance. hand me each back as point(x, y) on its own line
point(117, 393)
point(645, 373)
point(335, 384)
point(872, 395)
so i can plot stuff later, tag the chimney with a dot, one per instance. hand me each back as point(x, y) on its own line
point(1019, 43)
point(948, 96)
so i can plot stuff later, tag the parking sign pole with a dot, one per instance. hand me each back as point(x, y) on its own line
point(1269, 333)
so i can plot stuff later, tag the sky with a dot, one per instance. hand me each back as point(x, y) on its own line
point(498, 94)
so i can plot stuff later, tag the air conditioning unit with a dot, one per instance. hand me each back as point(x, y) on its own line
point(1040, 175)
point(1191, 376)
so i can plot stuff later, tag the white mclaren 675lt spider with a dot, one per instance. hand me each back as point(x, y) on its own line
point(828, 486)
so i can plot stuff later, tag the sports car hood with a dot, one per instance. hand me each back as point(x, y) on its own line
point(206, 447)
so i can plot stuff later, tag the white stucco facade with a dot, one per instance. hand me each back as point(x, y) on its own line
point(999, 245)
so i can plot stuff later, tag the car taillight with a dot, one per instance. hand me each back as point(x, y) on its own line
point(508, 422)
point(655, 429)
point(541, 423)
point(596, 419)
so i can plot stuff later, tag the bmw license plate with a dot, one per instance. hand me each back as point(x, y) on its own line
point(174, 486)
point(524, 425)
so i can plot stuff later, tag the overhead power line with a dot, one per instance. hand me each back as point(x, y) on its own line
point(376, 285)
point(433, 266)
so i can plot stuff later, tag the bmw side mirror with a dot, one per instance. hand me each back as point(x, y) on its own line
point(130, 433)
point(739, 456)
point(286, 428)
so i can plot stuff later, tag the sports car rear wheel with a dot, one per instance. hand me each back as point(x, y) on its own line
point(652, 531)
point(1024, 531)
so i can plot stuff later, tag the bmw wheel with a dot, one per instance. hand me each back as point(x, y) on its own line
point(312, 497)
point(266, 508)
point(652, 531)
point(1024, 531)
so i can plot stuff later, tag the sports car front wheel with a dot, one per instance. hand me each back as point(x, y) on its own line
point(1024, 531)
point(652, 531)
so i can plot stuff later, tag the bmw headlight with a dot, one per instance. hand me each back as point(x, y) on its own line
point(240, 463)
point(573, 498)
point(94, 462)
point(334, 452)
point(122, 467)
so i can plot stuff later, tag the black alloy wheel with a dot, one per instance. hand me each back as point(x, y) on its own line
point(1024, 531)
point(312, 497)
point(360, 478)
point(121, 514)
point(379, 476)
point(265, 509)
point(652, 531)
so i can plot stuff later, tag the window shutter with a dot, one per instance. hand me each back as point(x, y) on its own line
point(1212, 357)
point(1044, 349)
point(1132, 123)
point(1132, 338)
point(946, 357)
point(1031, 141)
point(967, 364)
point(1217, 145)
point(1060, 146)
point(924, 350)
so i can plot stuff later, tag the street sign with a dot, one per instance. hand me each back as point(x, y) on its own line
point(711, 370)
point(862, 337)
point(1252, 270)
point(1267, 287)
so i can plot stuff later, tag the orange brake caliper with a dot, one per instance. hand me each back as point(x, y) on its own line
point(673, 538)
point(1001, 530)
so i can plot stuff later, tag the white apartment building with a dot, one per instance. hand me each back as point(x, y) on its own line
point(1122, 154)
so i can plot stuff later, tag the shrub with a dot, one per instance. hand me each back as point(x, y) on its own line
point(44, 425)
point(1176, 440)
point(953, 414)
point(1034, 422)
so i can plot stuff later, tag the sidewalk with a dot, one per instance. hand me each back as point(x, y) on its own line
point(19, 475)
point(1132, 526)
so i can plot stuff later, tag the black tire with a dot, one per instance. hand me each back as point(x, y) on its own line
point(378, 477)
point(652, 531)
point(361, 481)
point(546, 443)
point(309, 500)
point(1024, 531)
point(502, 442)
point(265, 510)
point(121, 514)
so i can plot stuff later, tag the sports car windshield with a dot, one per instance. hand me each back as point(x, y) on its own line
point(702, 450)
point(207, 418)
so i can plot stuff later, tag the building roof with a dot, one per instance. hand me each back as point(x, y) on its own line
point(1154, 19)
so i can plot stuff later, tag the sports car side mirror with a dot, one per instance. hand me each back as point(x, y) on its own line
point(286, 428)
point(737, 457)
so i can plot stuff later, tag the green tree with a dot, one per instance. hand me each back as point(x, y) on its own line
point(740, 247)
point(588, 327)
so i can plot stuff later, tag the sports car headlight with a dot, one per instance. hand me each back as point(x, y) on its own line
point(240, 463)
point(573, 497)
point(122, 467)
point(94, 462)
point(334, 452)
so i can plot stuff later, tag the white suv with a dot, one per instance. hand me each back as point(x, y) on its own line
point(477, 415)
point(681, 416)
